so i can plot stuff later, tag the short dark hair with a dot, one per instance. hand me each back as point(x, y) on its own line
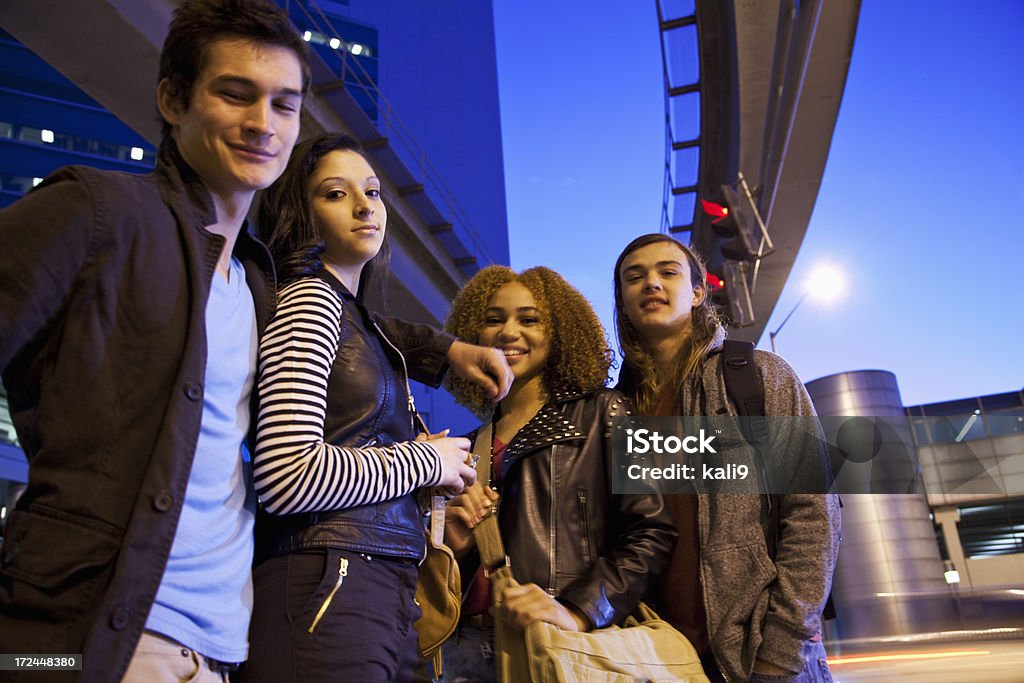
point(289, 227)
point(198, 23)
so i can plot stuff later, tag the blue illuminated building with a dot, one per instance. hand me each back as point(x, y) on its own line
point(416, 82)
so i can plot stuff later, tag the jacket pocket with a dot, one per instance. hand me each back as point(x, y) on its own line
point(736, 588)
point(56, 561)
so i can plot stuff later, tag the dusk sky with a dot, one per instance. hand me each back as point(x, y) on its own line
point(920, 203)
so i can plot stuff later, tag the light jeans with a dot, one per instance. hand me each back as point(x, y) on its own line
point(469, 656)
point(815, 668)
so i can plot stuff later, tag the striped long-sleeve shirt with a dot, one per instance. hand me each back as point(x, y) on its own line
point(294, 469)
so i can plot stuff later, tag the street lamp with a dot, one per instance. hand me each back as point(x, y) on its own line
point(825, 283)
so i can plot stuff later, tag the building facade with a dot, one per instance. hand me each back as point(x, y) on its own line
point(948, 552)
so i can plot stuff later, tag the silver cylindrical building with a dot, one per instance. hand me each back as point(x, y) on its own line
point(889, 579)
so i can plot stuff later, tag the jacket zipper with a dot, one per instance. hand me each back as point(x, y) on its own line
point(413, 415)
point(342, 573)
point(411, 403)
point(553, 515)
point(581, 498)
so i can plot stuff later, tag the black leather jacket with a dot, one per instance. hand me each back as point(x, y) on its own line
point(562, 526)
point(368, 404)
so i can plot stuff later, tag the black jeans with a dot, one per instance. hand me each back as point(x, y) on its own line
point(362, 628)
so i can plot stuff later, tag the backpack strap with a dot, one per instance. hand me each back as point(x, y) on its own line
point(744, 388)
point(746, 392)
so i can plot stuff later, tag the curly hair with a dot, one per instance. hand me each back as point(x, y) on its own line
point(580, 354)
point(704, 320)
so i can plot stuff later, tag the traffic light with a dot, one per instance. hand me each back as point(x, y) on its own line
point(714, 282)
point(731, 220)
point(718, 292)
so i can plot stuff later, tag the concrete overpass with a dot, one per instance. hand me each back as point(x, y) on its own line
point(769, 82)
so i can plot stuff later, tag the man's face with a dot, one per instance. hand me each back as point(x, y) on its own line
point(657, 293)
point(243, 116)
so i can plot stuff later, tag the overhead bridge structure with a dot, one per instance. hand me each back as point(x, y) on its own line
point(752, 89)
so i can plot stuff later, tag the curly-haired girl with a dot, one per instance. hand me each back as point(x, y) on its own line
point(582, 555)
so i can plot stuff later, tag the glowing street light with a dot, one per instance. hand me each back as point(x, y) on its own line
point(825, 283)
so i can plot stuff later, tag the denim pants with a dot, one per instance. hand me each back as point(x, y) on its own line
point(469, 656)
point(815, 668)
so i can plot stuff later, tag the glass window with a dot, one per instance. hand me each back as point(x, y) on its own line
point(989, 530)
point(7, 434)
point(962, 407)
point(674, 9)
point(1006, 421)
point(956, 428)
point(1006, 402)
point(920, 431)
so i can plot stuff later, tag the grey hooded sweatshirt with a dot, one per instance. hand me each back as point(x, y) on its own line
point(758, 607)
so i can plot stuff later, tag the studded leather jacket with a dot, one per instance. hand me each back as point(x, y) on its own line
point(563, 527)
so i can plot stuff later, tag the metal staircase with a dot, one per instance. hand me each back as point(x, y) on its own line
point(341, 79)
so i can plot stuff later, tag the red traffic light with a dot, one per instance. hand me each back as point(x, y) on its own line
point(723, 221)
point(715, 283)
point(714, 209)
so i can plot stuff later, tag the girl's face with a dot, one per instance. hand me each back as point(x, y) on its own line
point(345, 198)
point(513, 324)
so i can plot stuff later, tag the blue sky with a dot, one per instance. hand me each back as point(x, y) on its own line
point(920, 203)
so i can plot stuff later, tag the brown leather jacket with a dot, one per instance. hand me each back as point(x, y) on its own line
point(562, 526)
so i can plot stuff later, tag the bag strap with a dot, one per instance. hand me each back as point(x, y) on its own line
point(746, 393)
point(437, 496)
point(744, 388)
point(487, 533)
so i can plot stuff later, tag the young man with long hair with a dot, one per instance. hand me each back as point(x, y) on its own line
point(752, 615)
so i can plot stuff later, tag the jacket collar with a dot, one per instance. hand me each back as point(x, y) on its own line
point(182, 187)
point(327, 275)
point(549, 426)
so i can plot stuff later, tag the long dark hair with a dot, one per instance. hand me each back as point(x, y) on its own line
point(705, 325)
point(289, 227)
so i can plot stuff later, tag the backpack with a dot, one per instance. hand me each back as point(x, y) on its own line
point(745, 391)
